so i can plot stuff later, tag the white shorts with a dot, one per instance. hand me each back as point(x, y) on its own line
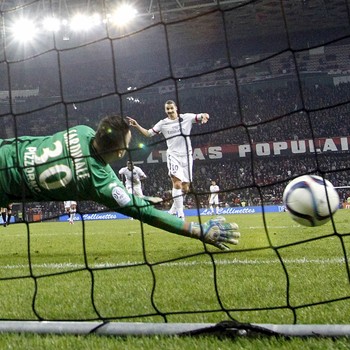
point(214, 199)
point(136, 190)
point(180, 167)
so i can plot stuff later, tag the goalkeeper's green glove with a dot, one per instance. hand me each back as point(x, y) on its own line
point(216, 232)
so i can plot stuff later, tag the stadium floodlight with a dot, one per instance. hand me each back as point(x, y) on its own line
point(123, 14)
point(24, 30)
point(51, 24)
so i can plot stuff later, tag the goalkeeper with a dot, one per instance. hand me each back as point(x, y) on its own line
point(74, 164)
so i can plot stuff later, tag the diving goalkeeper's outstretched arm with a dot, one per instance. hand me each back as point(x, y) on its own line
point(216, 232)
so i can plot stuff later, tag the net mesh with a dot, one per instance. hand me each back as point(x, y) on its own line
point(274, 77)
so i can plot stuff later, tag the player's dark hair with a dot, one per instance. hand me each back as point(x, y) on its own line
point(170, 102)
point(111, 133)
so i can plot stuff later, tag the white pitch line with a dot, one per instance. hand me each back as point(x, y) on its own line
point(267, 226)
point(59, 266)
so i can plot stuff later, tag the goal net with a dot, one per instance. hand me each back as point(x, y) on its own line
point(274, 77)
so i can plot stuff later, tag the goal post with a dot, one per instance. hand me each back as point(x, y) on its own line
point(173, 329)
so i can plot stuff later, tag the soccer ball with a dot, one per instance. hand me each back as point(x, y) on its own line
point(311, 200)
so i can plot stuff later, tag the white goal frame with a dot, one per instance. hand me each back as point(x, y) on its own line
point(169, 329)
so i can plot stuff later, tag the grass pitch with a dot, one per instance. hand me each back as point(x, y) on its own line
point(120, 270)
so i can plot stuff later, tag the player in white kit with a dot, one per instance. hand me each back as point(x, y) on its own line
point(132, 176)
point(70, 207)
point(176, 128)
point(214, 197)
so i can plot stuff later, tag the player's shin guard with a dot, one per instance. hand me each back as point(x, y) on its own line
point(172, 210)
point(178, 201)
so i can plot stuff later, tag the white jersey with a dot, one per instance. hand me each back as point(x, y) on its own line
point(133, 179)
point(68, 204)
point(214, 195)
point(177, 132)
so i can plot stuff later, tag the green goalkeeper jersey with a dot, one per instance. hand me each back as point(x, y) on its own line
point(48, 168)
point(65, 165)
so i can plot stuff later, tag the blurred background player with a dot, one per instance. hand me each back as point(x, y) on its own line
point(70, 207)
point(132, 176)
point(6, 214)
point(214, 197)
point(176, 128)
